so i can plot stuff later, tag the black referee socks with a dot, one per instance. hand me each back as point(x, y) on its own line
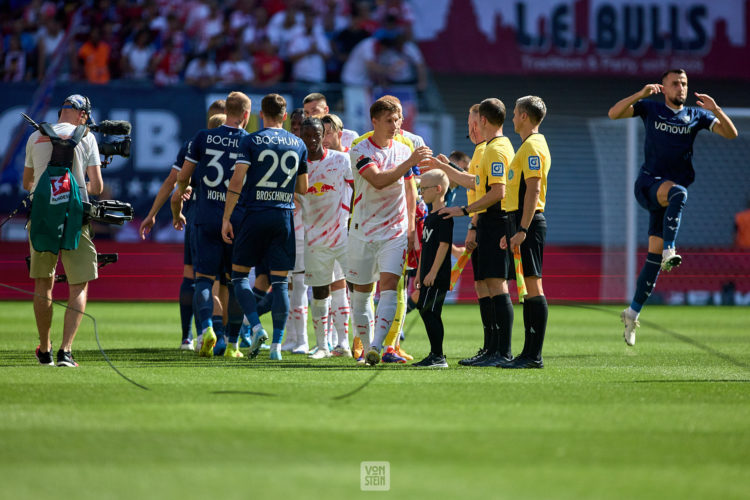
point(504, 321)
point(488, 319)
point(535, 312)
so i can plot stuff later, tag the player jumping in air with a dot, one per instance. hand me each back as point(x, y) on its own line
point(661, 186)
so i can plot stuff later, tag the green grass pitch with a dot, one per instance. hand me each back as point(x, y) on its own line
point(668, 418)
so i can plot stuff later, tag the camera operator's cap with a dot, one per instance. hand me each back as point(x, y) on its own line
point(77, 101)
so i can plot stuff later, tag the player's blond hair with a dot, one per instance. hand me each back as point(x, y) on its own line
point(217, 120)
point(237, 104)
point(436, 177)
point(334, 121)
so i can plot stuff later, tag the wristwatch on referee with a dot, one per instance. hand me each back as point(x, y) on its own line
point(524, 230)
point(463, 209)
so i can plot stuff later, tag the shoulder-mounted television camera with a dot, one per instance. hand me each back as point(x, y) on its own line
point(116, 139)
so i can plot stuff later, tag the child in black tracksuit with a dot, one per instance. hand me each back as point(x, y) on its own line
point(434, 271)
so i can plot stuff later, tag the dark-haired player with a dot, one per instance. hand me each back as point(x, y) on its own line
point(325, 228)
point(271, 167)
point(667, 171)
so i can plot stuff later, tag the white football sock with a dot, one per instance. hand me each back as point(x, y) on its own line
point(385, 314)
point(340, 316)
point(362, 316)
point(320, 309)
point(298, 307)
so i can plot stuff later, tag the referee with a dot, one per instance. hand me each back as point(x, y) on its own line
point(527, 184)
point(490, 263)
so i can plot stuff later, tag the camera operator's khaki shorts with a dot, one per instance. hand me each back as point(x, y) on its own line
point(79, 264)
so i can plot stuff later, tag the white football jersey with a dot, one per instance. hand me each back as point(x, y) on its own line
point(347, 137)
point(299, 209)
point(379, 214)
point(329, 192)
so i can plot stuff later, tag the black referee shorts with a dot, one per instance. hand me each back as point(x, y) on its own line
point(532, 249)
point(488, 260)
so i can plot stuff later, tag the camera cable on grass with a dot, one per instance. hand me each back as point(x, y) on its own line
point(96, 332)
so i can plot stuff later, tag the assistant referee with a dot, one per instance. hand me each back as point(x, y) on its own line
point(527, 183)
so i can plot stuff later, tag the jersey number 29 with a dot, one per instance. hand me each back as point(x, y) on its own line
point(277, 162)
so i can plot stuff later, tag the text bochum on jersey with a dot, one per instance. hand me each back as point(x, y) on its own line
point(275, 158)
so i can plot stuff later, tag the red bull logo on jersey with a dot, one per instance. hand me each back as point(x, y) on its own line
point(59, 189)
point(318, 189)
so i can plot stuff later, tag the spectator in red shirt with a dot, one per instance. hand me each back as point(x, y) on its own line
point(268, 66)
point(168, 63)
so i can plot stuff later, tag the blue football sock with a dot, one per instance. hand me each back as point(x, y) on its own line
point(196, 319)
point(187, 290)
point(244, 294)
point(646, 281)
point(676, 198)
point(280, 307)
point(205, 301)
point(218, 325)
point(234, 313)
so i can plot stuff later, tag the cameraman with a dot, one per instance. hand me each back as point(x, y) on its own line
point(80, 264)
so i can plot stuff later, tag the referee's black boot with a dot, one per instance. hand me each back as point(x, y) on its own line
point(481, 353)
point(493, 359)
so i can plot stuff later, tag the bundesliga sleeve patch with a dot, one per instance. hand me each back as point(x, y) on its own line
point(534, 163)
point(497, 169)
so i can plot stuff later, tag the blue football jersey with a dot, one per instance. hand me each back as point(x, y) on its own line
point(275, 158)
point(177, 165)
point(214, 152)
point(669, 139)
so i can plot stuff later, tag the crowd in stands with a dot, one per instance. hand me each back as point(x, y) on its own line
point(209, 42)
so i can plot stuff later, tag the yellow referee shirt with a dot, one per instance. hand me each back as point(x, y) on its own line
point(471, 194)
point(498, 154)
point(532, 160)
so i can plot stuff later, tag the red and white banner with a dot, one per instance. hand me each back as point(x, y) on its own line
point(589, 37)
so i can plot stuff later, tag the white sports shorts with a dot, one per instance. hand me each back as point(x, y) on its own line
point(324, 265)
point(365, 261)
